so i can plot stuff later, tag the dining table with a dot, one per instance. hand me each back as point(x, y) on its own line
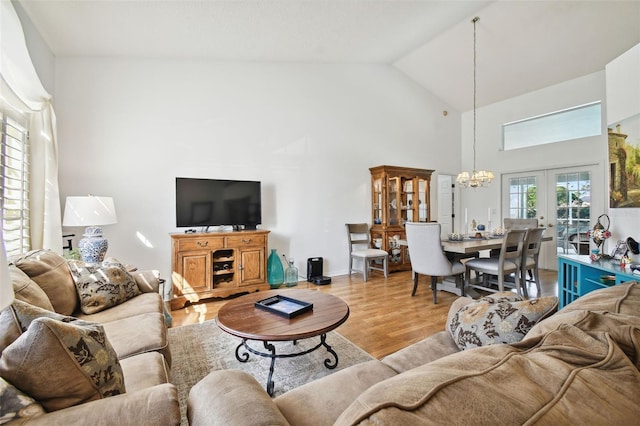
point(472, 244)
point(465, 248)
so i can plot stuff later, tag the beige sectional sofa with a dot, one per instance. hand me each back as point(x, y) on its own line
point(577, 366)
point(136, 334)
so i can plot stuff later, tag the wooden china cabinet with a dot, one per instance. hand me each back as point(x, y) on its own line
point(398, 195)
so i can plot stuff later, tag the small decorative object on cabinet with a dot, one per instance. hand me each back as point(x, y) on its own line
point(291, 274)
point(217, 264)
point(599, 234)
point(399, 195)
point(275, 271)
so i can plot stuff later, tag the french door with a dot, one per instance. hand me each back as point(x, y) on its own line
point(564, 200)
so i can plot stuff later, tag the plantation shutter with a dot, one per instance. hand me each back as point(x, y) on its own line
point(14, 184)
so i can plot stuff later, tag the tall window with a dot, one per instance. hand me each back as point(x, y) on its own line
point(14, 184)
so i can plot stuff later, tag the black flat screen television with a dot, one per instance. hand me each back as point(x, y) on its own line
point(216, 202)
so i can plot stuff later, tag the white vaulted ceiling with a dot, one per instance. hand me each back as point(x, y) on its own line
point(522, 45)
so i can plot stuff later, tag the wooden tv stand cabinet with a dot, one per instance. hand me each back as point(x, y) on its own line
point(217, 264)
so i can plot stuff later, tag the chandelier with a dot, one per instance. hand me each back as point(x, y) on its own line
point(475, 178)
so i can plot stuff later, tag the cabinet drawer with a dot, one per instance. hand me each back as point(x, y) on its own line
point(245, 240)
point(200, 244)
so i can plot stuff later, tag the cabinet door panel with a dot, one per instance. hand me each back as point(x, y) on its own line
point(195, 271)
point(252, 266)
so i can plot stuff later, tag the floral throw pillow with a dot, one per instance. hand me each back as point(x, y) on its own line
point(61, 364)
point(102, 286)
point(15, 404)
point(498, 318)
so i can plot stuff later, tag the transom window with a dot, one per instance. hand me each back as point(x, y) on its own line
point(568, 124)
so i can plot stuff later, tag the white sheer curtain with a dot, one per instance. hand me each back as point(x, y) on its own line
point(21, 80)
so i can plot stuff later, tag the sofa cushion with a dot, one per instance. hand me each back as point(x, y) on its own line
point(321, 401)
point(27, 290)
point(620, 299)
point(142, 304)
point(50, 271)
point(102, 286)
point(565, 376)
point(15, 404)
point(9, 328)
point(499, 318)
point(426, 350)
point(144, 371)
point(63, 364)
point(139, 334)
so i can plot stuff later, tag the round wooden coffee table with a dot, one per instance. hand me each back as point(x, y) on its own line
point(241, 318)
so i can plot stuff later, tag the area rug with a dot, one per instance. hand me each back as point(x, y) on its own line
point(201, 348)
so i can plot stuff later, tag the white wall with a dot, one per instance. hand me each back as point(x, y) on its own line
point(583, 151)
point(128, 127)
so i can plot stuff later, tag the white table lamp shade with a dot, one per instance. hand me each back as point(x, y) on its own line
point(92, 212)
point(6, 287)
point(89, 211)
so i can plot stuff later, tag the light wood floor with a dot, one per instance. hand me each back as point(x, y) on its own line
point(384, 317)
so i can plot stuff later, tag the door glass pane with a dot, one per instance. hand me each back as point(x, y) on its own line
point(522, 197)
point(573, 212)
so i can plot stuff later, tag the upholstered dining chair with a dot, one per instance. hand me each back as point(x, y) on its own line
point(517, 223)
point(508, 262)
point(427, 257)
point(360, 248)
point(530, 255)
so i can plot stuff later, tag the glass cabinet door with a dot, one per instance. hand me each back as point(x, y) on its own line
point(394, 201)
point(407, 201)
point(377, 201)
point(423, 200)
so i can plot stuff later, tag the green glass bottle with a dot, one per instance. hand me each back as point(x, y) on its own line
point(275, 271)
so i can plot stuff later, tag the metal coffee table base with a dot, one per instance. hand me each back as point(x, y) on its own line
point(244, 357)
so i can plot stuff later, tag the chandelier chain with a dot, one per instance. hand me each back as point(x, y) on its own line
point(483, 177)
point(474, 91)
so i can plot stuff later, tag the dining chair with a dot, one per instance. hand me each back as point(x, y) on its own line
point(360, 248)
point(519, 223)
point(506, 263)
point(428, 258)
point(530, 255)
point(516, 223)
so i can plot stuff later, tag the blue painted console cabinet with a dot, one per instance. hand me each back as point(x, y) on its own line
point(578, 275)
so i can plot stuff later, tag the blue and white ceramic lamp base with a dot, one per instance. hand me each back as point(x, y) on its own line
point(93, 246)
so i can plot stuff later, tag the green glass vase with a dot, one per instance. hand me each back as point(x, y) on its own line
point(275, 271)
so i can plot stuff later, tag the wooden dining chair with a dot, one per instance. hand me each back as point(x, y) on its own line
point(360, 248)
point(427, 257)
point(508, 262)
point(530, 255)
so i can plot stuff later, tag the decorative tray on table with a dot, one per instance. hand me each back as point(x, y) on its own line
point(284, 306)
